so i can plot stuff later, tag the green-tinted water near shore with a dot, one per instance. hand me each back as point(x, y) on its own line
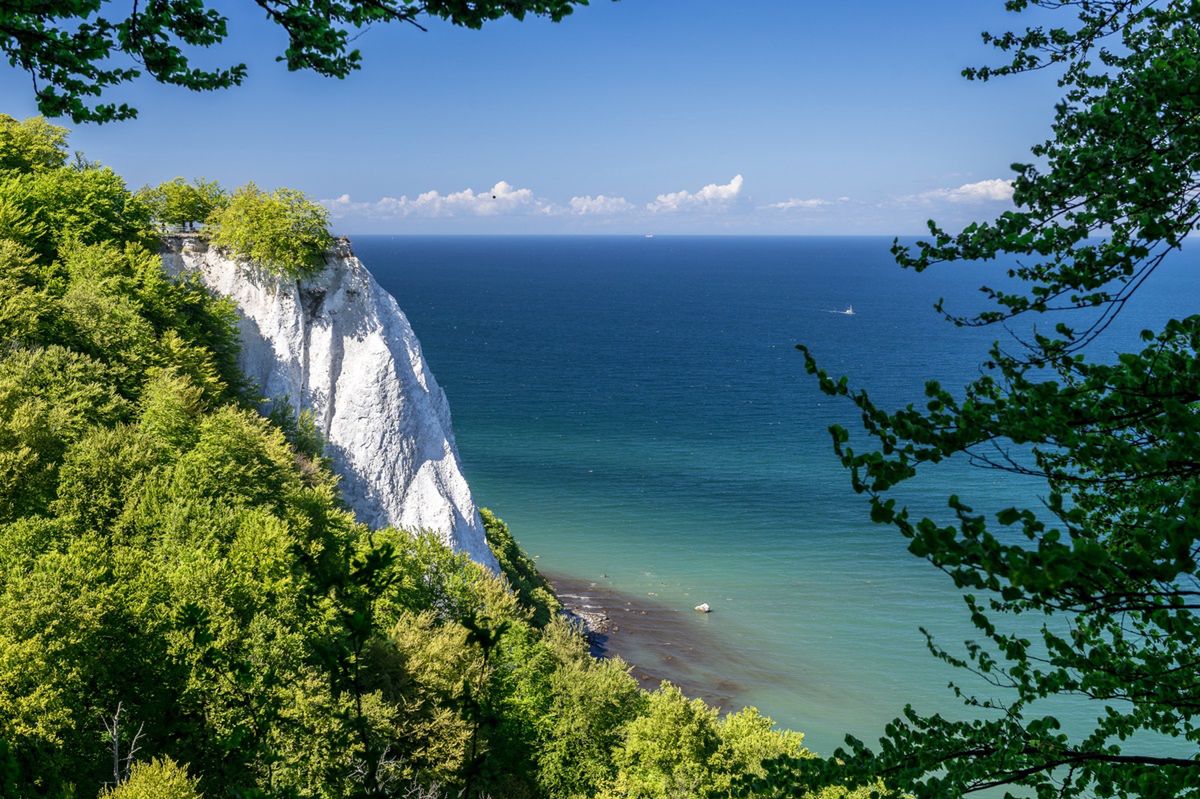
point(636, 410)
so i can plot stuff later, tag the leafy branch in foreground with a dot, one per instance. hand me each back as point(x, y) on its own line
point(76, 51)
point(1108, 562)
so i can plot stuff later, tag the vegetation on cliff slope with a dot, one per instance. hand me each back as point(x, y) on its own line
point(282, 231)
point(187, 610)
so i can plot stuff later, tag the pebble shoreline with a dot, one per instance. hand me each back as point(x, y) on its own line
point(658, 641)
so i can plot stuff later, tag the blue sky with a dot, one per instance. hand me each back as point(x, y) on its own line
point(666, 116)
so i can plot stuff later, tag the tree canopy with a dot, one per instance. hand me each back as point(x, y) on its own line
point(77, 51)
point(1108, 561)
point(282, 231)
point(179, 204)
point(31, 145)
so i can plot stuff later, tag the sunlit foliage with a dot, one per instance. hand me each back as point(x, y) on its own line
point(282, 231)
point(181, 205)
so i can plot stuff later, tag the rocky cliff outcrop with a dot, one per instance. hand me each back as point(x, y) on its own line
point(338, 344)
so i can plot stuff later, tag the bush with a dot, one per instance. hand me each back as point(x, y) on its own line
point(158, 779)
point(283, 232)
point(177, 203)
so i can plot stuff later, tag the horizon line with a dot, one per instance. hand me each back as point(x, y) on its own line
point(577, 235)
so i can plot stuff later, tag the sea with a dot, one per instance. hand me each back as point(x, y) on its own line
point(637, 411)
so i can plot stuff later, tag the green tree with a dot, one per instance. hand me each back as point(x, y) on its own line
point(587, 704)
point(284, 232)
point(45, 204)
point(177, 203)
point(422, 667)
point(25, 303)
point(48, 399)
point(76, 51)
point(1108, 561)
point(747, 739)
point(31, 145)
point(668, 752)
point(158, 779)
point(66, 206)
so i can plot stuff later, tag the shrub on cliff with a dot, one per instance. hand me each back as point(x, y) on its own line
point(179, 204)
point(283, 231)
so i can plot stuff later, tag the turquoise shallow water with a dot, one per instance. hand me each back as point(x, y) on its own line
point(635, 409)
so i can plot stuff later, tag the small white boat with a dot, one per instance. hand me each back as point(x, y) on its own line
point(649, 235)
point(849, 311)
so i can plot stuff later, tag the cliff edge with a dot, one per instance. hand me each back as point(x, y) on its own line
point(338, 344)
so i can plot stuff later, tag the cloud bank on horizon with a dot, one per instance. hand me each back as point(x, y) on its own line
point(504, 198)
point(994, 190)
point(709, 202)
point(712, 197)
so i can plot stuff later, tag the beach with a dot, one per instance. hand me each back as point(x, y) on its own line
point(659, 641)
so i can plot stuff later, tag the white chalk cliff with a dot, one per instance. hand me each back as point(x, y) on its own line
point(338, 344)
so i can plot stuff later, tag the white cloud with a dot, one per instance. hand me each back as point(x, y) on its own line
point(712, 196)
point(502, 198)
point(994, 190)
point(788, 205)
point(600, 205)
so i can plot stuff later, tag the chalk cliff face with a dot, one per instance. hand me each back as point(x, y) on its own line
point(338, 344)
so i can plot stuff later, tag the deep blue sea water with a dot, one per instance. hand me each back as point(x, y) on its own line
point(637, 412)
